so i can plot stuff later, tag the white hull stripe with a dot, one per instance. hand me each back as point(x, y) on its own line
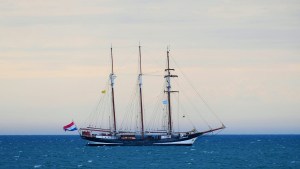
point(190, 141)
point(100, 143)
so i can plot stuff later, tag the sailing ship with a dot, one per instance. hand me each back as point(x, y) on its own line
point(99, 136)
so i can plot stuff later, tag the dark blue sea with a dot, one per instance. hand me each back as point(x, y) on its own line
point(221, 151)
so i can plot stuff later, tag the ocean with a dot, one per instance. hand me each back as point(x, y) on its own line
point(218, 151)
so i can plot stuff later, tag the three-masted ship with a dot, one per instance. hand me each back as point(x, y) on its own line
point(98, 136)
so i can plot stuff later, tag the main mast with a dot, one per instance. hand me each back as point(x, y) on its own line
point(168, 86)
point(112, 77)
point(141, 96)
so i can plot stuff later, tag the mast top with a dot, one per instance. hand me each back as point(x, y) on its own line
point(112, 60)
point(140, 59)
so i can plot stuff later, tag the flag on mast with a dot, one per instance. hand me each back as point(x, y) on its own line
point(165, 101)
point(70, 127)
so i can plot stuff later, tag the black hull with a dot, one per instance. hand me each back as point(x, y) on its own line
point(187, 141)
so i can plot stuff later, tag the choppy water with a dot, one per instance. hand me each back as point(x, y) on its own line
point(223, 151)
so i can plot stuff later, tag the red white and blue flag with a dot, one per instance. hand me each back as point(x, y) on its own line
point(70, 127)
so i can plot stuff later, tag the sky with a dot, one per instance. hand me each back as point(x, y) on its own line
point(243, 56)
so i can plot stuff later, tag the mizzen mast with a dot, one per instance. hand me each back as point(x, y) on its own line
point(112, 77)
point(140, 88)
point(168, 91)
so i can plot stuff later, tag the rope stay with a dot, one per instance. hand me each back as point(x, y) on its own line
point(199, 95)
point(98, 113)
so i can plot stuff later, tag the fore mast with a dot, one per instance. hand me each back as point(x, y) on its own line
point(112, 77)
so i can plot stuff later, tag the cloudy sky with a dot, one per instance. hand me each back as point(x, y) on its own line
point(242, 56)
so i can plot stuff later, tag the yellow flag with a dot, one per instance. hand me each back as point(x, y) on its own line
point(103, 91)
